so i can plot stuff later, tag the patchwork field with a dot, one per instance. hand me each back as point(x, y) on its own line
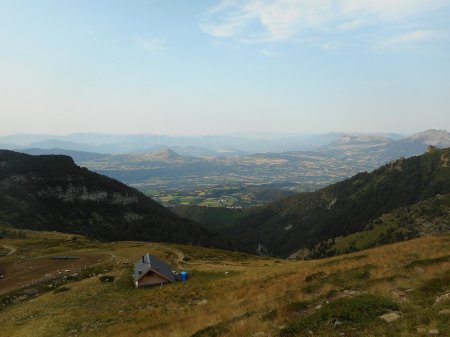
point(228, 293)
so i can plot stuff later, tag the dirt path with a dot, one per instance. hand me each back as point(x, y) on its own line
point(180, 255)
point(11, 249)
point(18, 274)
point(179, 259)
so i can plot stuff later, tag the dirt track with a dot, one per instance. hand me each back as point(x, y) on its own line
point(11, 249)
point(21, 273)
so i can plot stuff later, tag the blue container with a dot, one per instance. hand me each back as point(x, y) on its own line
point(184, 276)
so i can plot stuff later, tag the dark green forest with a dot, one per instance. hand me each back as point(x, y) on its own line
point(52, 193)
point(345, 207)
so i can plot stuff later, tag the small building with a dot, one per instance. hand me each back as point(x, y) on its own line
point(151, 271)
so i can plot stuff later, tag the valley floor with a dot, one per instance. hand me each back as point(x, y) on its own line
point(228, 293)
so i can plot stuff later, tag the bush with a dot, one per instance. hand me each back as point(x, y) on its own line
point(298, 306)
point(61, 289)
point(106, 278)
point(270, 315)
point(435, 286)
point(355, 310)
point(427, 262)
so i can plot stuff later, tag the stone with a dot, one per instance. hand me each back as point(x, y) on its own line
point(259, 334)
point(421, 331)
point(23, 297)
point(319, 306)
point(433, 332)
point(400, 295)
point(390, 317)
point(30, 291)
point(444, 312)
point(352, 292)
point(202, 302)
point(442, 298)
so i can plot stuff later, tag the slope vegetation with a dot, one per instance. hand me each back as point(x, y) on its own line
point(343, 208)
point(52, 193)
point(428, 217)
point(228, 294)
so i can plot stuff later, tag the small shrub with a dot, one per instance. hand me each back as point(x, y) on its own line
point(211, 331)
point(270, 315)
point(356, 310)
point(106, 278)
point(315, 276)
point(311, 288)
point(346, 278)
point(347, 258)
point(427, 262)
point(61, 289)
point(435, 286)
point(220, 328)
point(298, 306)
point(350, 276)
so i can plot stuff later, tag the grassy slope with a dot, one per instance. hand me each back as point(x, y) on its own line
point(258, 294)
point(431, 216)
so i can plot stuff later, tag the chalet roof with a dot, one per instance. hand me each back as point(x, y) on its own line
point(149, 262)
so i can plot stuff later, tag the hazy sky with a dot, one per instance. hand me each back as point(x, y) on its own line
point(211, 66)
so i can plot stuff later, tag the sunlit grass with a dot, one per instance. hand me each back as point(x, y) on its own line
point(234, 294)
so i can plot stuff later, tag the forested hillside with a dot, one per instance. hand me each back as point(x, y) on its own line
point(52, 193)
point(343, 208)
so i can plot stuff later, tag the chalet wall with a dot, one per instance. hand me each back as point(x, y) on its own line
point(151, 278)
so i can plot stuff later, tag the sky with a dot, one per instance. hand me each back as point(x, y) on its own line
point(206, 67)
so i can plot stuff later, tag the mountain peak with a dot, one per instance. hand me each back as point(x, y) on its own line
point(440, 138)
point(356, 139)
point(166, 154)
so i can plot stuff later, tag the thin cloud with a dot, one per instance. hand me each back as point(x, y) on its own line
point(262, 21)
point(352, 24)
point(410, 39)
point(154, 46)
point(269, 53)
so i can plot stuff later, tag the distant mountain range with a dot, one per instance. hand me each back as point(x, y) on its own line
point(173, 177)
point(225, 145)
point(228, 145)
point(52, 193)
point(388, 149)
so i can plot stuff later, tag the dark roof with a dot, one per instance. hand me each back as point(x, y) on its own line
point(149, 262)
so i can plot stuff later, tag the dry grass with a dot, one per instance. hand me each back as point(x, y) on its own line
point(253, 296)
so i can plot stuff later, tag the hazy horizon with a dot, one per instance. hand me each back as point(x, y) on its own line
point(254, 134)
point(215, 67)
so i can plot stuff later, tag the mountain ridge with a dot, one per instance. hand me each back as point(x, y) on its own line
point(50, 192)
